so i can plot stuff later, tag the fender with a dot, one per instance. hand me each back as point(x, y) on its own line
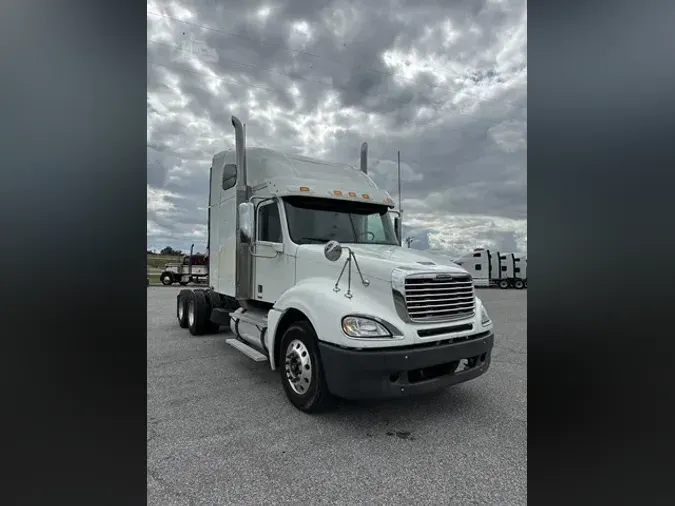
point(316, 299)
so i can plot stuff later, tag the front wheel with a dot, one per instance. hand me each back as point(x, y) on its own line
point(301, 369)
point(166, 279)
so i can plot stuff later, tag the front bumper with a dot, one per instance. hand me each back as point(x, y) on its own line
point(400, 372)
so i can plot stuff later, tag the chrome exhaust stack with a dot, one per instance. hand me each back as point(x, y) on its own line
point(240, 146)
point(244, 261)
point(364, 158)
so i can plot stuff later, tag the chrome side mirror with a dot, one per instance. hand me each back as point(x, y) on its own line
point(332, 251)
point(246, 221)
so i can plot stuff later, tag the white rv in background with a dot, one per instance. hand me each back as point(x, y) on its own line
point(495, 268)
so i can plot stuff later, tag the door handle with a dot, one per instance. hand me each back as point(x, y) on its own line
point(251, 248)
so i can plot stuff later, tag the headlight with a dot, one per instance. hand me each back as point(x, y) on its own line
point(356, 326)
point(484, 316)
point(398, 279)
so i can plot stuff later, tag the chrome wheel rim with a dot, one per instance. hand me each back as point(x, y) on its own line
point(298, 367)
point(191, 313)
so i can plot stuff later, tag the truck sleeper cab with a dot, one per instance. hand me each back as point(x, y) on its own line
point(494, 268)
point(307, 270)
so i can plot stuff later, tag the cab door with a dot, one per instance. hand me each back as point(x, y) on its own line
point(274, 269)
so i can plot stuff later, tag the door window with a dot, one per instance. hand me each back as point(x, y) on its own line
point(269, 223)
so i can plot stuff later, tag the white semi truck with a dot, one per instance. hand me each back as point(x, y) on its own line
point(495, 268)
point(306, 268)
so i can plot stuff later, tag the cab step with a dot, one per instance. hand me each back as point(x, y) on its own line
point(250, 352)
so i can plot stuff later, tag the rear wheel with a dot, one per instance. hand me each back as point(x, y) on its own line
point(181, 308)
point(197, 312)
point(503, 284)
point(301, 369)
point(166, 278)
point(519, 284)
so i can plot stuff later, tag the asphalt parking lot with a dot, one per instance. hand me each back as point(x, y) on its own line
point(221, 431)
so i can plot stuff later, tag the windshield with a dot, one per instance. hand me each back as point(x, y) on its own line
point(314, 220)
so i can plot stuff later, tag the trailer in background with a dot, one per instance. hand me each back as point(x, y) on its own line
point(193, 269)
point(494, 268)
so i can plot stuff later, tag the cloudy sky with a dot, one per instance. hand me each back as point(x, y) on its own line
point(443, 81)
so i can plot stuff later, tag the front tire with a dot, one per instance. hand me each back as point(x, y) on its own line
point(301, 369)
point(166, 279)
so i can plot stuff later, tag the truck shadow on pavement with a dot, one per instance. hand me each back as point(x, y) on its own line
point(401, 419)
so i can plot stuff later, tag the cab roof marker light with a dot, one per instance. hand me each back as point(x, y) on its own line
point(337, 193)
point(366, 196)
point(304, 188)
point(352, 194)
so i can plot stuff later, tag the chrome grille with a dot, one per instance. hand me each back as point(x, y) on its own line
point(433, 297)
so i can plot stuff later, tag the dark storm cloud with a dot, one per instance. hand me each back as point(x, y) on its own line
point(462, 160)
point(458, 159)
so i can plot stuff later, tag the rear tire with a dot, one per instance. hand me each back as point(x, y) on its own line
point(197, 312)
point(166, 279)
point(503, 284)
point(181, 309)
point(301, 369)
point(519, 284)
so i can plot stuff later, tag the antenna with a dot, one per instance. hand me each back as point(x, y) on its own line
point(400, 209)
point(399, 179)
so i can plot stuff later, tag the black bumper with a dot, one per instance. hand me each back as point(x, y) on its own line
point(391, 373)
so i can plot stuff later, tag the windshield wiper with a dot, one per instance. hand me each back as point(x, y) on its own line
point(371, 242)
point(316, 239)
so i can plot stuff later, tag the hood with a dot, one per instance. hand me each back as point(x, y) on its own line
point(378, 260)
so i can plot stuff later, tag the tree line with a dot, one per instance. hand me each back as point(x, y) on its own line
point(168, 251)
